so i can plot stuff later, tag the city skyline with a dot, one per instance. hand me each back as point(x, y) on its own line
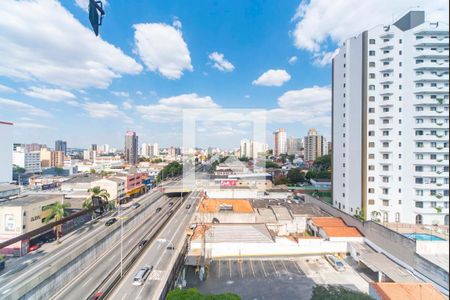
point(289, 76)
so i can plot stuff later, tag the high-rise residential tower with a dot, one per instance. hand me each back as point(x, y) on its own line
point(294, 146)
point(61, 146)
point(315, 145)
point(6, 151)
point(279, 142)
point(390, 122)
point(131, 147)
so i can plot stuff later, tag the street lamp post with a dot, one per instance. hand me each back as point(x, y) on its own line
point(121, 240)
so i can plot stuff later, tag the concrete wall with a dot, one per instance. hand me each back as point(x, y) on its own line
point(282, 246)
point(226, 217)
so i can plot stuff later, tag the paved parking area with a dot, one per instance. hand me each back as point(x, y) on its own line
point(280, 278)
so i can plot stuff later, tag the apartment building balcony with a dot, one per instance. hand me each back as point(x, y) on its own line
point(429, 174)
point(431, 210)
point(429, 101)
point(431, 66)
point(426, 113)
point(387, 56)
point(386, 69)
point(438, 40)
point(431, 90)
point(389, 45)
point(431, 77)
point(431, 150)
point(428, 53)
point(430, 137)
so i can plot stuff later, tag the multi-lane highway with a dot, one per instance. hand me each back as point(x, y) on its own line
point(22, 276)
point(90, 278)
point(158, 255)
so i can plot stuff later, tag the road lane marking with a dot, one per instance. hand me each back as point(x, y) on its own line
point(229, 266)
point(219, 268)
point(242, 273)
point(87, 281)
point(273, 265)
point(251, 265)
point(282, 262)
point(264, 270)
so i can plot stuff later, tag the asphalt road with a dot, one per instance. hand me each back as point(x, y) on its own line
point(30, 268)
point(158, 256)
point(87, 281)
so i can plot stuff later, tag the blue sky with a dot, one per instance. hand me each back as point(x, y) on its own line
point(153, 58)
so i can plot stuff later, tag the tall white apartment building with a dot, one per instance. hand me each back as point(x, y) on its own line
point(29, 160)
point(390, 122)
point(252, 149)
point(315, 145)
point(149, 150)
point(280, 146)
point(294, 146)
point(6, 151)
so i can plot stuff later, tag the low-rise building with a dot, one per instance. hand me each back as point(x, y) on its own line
point(404, 291)
point(114, 186)
point(9, 190)
point(21, 215)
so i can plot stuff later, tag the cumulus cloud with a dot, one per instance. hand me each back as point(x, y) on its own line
point(324, 58)
point(318, 21)
point(6, 89)
point(171, 109)
point(293, 60)
point(57, 49)
point(310, 106)
point(120, 94)
point(29, 125)
point(272, 78)
point(127, 105)
point(219, 62)
point(162, 49)
point(52, 95)
point(23, 107)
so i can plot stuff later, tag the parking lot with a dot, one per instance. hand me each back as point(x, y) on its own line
point(280, 278)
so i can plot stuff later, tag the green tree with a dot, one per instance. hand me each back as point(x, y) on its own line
point(295, 176)
point(321, 292)
point(57, 211)
point(97, 192)
point(280, 179)
point(322, 163)
point(18, 170)
point(244, 158)
point(59, 171)
point(194, 294)
point(172, 169)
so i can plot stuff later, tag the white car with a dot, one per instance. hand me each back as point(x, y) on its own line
point(141, 275)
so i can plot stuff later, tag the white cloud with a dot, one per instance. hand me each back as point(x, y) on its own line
point(23, 107)
point(102, 110)
point(163, 49)
point(139, 93)
point(84, 4)
point(120, 94)
point(219, 62)
point(177, 23)
point(272, 78)
point(52, 95)
point(6, 89)
point(293, 60)
point(324, 58)
point(170, 109)
point(310, 106)
point(29, 125)
point(247, 96)
point(127, 105)
point(41, 41)
point(320, 20)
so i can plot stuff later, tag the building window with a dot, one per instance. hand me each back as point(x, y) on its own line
point(372, 41)
point(372, 99)
point(419, 219)
point(372, 75)
point(371, 202)
point(397, 217)
point(385, 217)
point(371, 53)
point(372, 64)
point(385, 202)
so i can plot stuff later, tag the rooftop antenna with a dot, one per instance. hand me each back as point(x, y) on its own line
point(96, 7)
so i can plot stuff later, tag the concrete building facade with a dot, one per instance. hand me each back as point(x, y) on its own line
point(6, 151)
point(30, 161)
point(279, 142)
point(390, 122)
point(131, 148)
point(315, 145)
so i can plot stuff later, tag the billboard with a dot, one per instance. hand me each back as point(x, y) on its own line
point(228, 182)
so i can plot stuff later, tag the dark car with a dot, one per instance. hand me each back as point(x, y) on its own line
point(158, 209)
point(135, 205)
point(188, 206)
point(142, 243)
point(170, 248)
point(170, 204)
point(110, 221)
